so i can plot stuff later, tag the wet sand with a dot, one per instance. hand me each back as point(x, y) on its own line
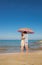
point(32, 58)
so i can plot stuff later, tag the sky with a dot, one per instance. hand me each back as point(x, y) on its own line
point(16, 14)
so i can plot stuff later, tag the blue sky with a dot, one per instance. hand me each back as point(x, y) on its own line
point(15, 14)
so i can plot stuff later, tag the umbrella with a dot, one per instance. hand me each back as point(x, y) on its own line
point(26, 30)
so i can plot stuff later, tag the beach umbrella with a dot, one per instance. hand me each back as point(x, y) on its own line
point(26, 30)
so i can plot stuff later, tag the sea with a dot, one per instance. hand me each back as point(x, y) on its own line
point(13, 46)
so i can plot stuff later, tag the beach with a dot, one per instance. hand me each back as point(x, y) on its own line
point(32, 58)
point(10, 53)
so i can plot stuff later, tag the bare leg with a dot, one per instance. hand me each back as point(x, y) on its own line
point(26, 46)
point(22, 49)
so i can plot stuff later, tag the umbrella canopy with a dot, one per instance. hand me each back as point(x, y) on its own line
point(25, 30)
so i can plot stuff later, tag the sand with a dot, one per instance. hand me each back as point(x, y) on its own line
point(32, 58)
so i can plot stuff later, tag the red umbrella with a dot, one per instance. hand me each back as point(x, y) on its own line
point(25, 30)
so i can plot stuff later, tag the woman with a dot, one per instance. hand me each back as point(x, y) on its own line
point(22, 42)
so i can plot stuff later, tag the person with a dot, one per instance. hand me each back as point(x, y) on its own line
point(24, 42)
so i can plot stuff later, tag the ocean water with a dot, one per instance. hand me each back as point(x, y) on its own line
point(9, 46)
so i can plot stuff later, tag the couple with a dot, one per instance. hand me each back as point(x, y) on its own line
point(24, 42)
